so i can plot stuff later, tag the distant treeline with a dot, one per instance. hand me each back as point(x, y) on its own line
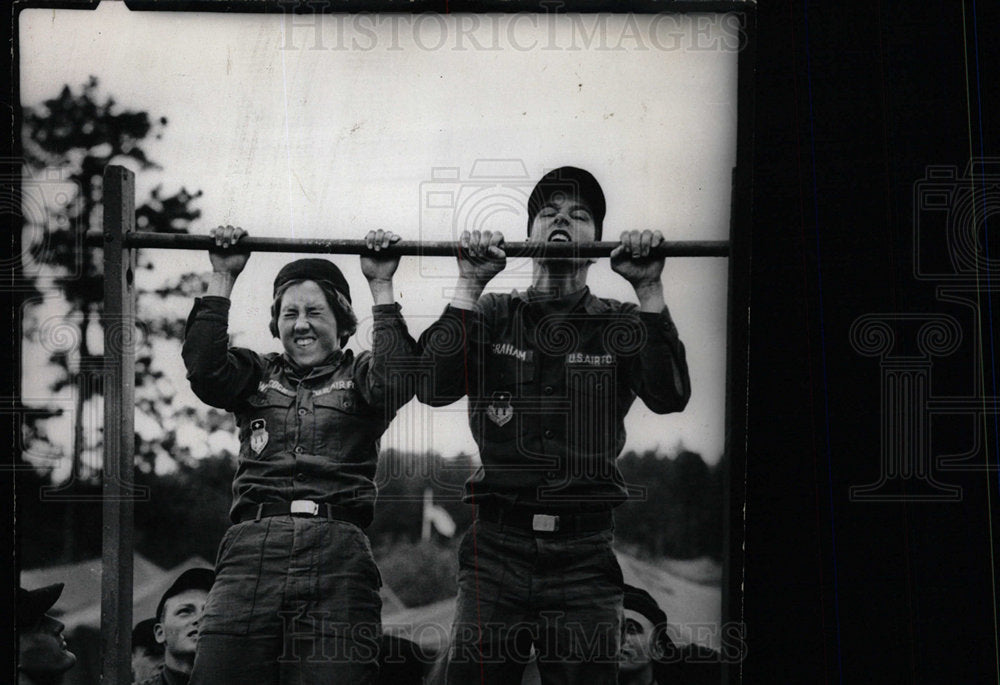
point(676, 508)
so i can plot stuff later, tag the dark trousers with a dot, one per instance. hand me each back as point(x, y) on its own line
point(558, 595)
point(296, 600)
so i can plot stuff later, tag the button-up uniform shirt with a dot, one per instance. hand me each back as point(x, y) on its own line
point(549, 382)
point(305, 434)
point(167, 676)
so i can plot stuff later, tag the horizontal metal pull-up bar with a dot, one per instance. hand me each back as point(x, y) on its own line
point(182, 241)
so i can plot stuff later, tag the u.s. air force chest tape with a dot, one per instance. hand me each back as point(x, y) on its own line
point(258, 435)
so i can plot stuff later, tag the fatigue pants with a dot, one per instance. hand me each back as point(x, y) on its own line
point(295, 601)
point(561, 595)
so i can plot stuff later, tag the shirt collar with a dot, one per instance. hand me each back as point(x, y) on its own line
point(172, 677)
point(548, 302)
point(299, 373)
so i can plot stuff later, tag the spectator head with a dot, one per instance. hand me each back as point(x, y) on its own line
point(178, 614)
point(644, 631)
point(42, 652)
point(147, 653)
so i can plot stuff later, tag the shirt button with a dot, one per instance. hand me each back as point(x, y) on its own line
point(548, 390)
point(302, 412)
point(298, 449)
point(549, 433)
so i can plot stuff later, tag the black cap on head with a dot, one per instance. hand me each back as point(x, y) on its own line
point(638, 600)
point(569, 180)
point(143, 636)
point(33, 604)
point(313, 270)
point(192, 579)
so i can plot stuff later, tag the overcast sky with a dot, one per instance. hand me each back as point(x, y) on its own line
point(330, 126)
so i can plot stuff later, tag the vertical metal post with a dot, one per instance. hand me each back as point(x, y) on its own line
point(119, 436)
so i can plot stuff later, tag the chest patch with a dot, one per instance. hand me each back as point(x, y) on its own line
point(258, 435)
point(500, 411)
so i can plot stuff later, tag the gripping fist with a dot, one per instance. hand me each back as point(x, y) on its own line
point(375, 265)
point(482, 256)
point(635, 258)
point(225, 261)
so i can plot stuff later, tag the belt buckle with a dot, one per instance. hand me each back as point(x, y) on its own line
point(544, 523)
point(304, 506)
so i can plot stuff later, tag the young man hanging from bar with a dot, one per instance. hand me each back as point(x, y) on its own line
point(550, 374)
point(296, 598)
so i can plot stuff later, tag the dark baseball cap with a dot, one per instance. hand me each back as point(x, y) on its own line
point(33, 604)
point(638, 600)
point(143, 636)
point(569, 181)
point(313, 270)
point(192, 579)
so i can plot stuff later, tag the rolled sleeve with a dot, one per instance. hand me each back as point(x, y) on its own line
point(389, 378)
point(660, 372)
point(219, 375)
point(448, 351)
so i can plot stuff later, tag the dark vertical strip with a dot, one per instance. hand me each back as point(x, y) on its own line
point(119, 435)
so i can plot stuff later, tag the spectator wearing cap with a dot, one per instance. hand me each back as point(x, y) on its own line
point(644, 637)
point(147, 653)
point(650, 657)
point(178, 620)
point(42, 656)
point(550, 375)
point(296, 597)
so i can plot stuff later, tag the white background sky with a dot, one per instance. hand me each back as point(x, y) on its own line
point(330, 126)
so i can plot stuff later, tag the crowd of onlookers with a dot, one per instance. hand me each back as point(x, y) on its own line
point(163, 646)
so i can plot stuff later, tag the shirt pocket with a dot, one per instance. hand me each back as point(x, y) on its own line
point(592, 425)
point(505, 401)
point(266, 426)
point(340, 419)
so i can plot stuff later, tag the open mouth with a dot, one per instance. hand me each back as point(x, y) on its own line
point(304, 342)
point(559, 236)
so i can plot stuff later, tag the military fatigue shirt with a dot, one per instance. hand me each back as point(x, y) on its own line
point(166, 676)
point(304, 434)
point(549, 383)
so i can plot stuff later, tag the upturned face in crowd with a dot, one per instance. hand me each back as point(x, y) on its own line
point(637, 642)
point(178, 628)
point(42, 648)
point(307, 326)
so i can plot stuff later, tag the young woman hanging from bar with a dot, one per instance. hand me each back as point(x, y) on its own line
point(296, 599)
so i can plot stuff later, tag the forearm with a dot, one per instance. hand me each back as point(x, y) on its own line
point(382, 292)
point(220, 284)
point(448, 353)
point(650, 297)
point(218, 376)
point(389, 379)
point(467, 293)
point(660, 372)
